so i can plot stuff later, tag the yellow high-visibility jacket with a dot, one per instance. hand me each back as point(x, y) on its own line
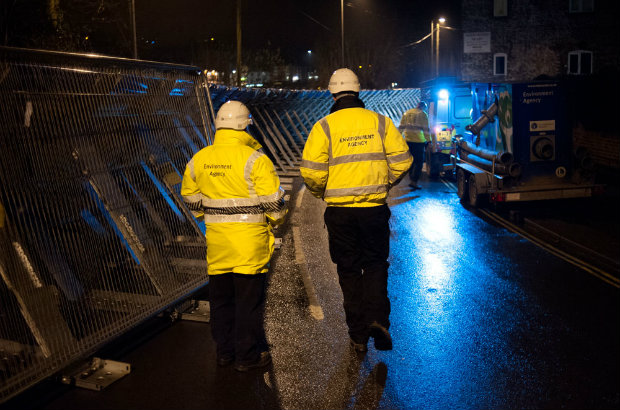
point(414, 126)
point(237, 189)
point(353, 157)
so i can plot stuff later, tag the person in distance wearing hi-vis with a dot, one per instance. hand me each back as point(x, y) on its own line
point(414, 126)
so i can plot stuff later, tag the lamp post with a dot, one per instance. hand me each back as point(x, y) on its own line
point(438, 26)
point(435, 34)
point(432, 47)
point(133, 29)
point(238, 43)
point(342, 31)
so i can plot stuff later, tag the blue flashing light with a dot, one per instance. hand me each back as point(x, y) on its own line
point(443, 94)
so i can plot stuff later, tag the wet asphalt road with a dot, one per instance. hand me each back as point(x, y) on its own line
point(481, 319)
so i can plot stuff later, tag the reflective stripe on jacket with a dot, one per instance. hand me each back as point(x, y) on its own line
point(352, 157)
point(238, 191)
point(414, 126)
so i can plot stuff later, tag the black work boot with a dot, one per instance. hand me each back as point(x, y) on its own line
point(263, 360)
point(225, 360)
point(383, 340)
point(358, 347)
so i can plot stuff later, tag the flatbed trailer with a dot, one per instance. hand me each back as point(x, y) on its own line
point(476, 186)
point(521, 147)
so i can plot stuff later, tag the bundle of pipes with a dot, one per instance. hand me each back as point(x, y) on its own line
point(499, 162)
point(503, 157)
point(487, 116)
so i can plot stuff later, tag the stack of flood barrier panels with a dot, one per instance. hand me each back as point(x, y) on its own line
point(283, 118)
point(94, 237)
point(393, 102)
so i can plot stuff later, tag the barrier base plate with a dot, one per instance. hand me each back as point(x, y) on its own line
point(98, 374)
point(200, 312)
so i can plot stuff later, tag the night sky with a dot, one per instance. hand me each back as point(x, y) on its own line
point(293, 26)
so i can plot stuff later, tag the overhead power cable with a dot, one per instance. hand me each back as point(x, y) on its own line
point(415, 43)
point(316, 21)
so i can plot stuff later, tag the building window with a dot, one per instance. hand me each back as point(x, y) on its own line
point(580, 62)
point(500, 8)
point(580, 6)
point(499, 64)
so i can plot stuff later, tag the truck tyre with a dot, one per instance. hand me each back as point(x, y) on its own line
point(461, 184)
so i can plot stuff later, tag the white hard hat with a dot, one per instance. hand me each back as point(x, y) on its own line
point(343, 79)
point(234, 115)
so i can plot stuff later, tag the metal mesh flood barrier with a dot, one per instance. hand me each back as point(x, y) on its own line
point(94, 236)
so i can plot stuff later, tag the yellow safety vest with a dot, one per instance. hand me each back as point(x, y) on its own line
point(414, 125)
point(352, 157)
point(237, 189)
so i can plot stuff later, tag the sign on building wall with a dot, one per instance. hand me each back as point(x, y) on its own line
point(478, 42)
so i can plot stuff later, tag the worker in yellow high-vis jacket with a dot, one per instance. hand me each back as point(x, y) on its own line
point(235, 185)
point(351, 159)
point(415, 129)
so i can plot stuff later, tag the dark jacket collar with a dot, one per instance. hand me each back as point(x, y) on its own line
point(347, 101)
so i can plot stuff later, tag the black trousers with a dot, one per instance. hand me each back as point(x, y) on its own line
point(237, 315)
point(359, 244)
point(417, 150)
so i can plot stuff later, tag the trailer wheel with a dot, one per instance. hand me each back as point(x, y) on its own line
point(461, 184)
point(474, 195)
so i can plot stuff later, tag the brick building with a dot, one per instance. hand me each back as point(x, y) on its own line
point(509, 40)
